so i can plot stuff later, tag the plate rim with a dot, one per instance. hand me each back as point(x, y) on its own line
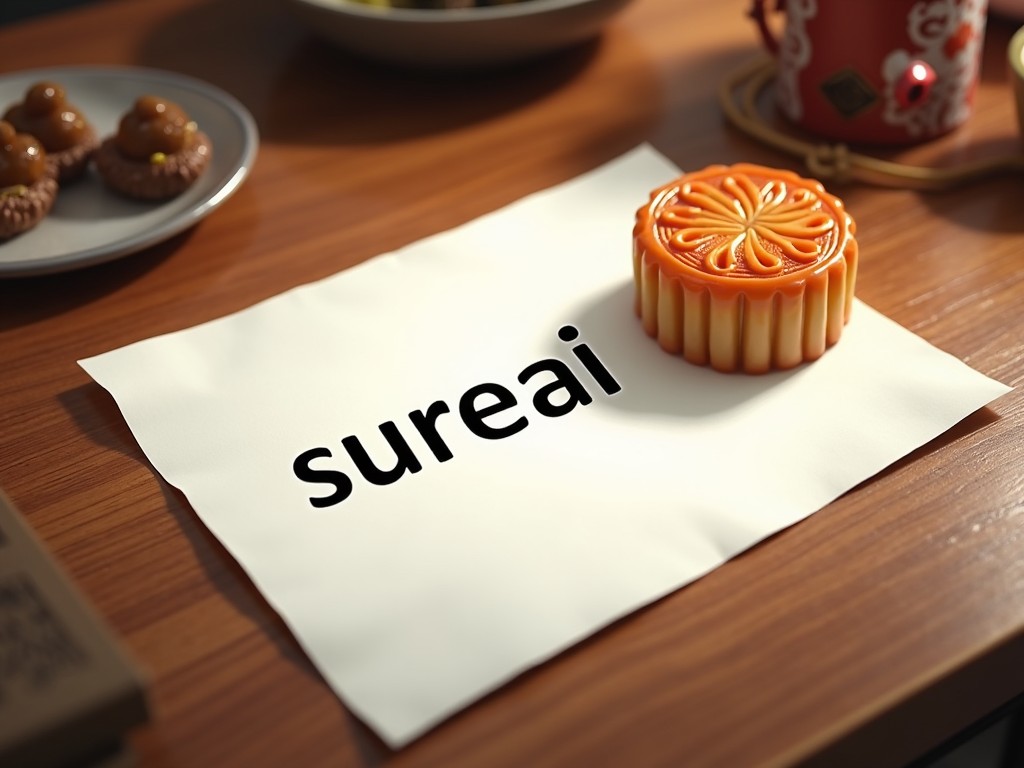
point(443, 17)
point(188, 218)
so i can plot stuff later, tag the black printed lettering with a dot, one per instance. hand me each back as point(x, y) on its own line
point(565, 380)
point(473, 416)
point(405, 459)
point(426, 424)
point(485, 410)
point(342, 483)
point(590, 361)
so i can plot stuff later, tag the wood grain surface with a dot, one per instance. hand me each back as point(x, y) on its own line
point(863, 636)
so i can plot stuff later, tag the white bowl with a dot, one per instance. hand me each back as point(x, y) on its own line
point(457, 37)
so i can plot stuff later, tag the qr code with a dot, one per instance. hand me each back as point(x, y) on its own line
point(35, 647)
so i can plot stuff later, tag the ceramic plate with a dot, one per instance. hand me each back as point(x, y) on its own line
point(89, 224)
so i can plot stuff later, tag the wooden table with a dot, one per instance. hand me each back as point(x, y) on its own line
point(865, 635)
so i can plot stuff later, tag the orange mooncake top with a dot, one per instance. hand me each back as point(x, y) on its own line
point(743, 227)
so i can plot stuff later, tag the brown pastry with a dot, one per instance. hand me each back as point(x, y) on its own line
point(157, 152)
point(744, 268)
point(27, 184)
point(67, 137)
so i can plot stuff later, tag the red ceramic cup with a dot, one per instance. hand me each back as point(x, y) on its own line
point(876, 71)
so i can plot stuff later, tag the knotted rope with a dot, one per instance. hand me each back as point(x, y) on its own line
point(738, 95)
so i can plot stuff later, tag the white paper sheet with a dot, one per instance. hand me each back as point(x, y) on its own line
point(415, 598)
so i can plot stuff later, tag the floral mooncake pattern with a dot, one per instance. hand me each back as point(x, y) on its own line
point(744, 268)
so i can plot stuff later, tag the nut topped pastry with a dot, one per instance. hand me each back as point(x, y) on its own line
point(157, 152)
point(27, 185)
point(744, 268)
point(66, 135)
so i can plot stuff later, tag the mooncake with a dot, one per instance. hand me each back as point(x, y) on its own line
point(744, 268)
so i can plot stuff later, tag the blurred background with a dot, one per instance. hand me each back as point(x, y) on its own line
point(12, 10)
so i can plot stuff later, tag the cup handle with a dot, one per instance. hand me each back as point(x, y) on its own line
point(759, 13)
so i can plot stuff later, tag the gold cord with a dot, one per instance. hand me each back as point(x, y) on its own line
point(738, 95)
